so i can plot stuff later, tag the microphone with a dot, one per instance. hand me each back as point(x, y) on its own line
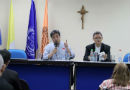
point(56, 44)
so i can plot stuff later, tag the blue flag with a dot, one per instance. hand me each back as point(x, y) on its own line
point(32, 44)
point(0, 38)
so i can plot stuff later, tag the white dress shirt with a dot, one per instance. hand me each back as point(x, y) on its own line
point(61, 53)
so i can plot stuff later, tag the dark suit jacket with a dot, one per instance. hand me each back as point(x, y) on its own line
point(12, 78)
point(104, 48)
point(4, 85)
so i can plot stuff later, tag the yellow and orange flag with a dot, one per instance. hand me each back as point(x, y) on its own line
point(45, 39)
point(11, 33)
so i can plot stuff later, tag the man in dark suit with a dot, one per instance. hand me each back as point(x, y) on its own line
point(4, 85)
point(10, 75)
point(98, 47)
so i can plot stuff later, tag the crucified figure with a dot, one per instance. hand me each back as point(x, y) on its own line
point(82, 12)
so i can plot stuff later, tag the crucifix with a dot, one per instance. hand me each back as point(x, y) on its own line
point(82, 12)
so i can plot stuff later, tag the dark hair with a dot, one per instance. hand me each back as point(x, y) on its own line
point(6, 55)
point(97, 32)
point(54, 32)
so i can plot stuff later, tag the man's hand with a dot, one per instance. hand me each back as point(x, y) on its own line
point(66, 46)
point(52, 53)
point(105, 56)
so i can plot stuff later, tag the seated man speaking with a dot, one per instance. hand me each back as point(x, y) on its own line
point(57, 50)
point(98, 47)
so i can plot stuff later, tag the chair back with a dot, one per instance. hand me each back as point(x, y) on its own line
point(17, 53)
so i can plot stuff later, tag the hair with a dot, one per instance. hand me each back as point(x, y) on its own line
point(121, 75)
point(54, 32)
point(6, 55)
point(97, 32)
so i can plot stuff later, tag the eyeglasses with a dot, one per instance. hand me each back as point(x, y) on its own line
point(98, 38)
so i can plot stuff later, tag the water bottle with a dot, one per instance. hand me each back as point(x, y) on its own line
point(100, 57)
point(91, 55)
point(112, 57)
point(95, 56)
point(120, 55)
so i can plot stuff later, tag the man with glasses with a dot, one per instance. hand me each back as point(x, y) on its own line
point(98, 47)
point(57, 50)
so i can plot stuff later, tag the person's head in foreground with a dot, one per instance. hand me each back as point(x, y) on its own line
point(6, 56)
point(121, 74)
point(2, 66)
point(120, 79)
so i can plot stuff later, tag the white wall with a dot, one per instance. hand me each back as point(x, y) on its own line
point(111, 17)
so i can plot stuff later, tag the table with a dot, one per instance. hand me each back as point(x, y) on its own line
point(44, 75)
point(89, 75)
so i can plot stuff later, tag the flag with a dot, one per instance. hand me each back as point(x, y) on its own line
point(0, 38)
point(45, 39)
point(11, 34)
point(32, 44)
